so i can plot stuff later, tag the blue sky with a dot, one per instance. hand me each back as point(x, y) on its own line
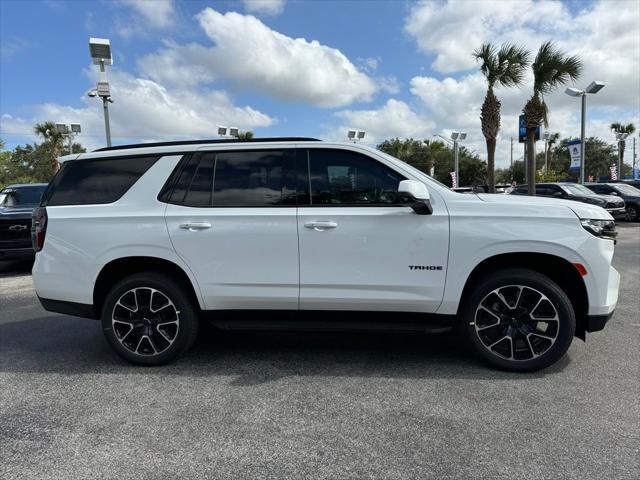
point(278, 67)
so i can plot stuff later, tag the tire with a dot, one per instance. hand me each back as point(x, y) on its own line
point(519, 320)
point(633, 213)
point(148, 319)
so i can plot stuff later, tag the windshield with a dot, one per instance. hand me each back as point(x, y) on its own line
point(22, 196)
point(577, 189)
point(627, 189)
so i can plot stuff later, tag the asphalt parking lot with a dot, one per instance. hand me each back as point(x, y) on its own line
point(255, 405)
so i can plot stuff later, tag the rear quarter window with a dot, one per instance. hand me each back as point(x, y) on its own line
point(96, 181)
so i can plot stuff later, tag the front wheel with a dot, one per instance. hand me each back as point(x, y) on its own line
point(633, 213)
point(148, 319)
point(519, 320)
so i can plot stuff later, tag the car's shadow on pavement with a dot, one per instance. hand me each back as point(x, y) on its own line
point(71, 346)
point(9, 268)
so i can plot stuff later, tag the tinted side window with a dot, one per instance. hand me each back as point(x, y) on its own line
point(340, 177)
point(254, 178)
point(86, 182)
point(199, 193)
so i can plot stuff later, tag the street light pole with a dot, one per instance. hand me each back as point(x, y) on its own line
point(593, 87)
point(100, 50)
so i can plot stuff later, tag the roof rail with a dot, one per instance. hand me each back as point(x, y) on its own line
point(216, 141)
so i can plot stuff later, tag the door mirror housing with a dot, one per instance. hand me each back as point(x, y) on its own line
point(415, 194)
point(557, 194)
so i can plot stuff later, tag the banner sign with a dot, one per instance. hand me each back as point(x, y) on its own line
point(454, 180)
point(575, 148)
point(522, 131)
point(614, 172)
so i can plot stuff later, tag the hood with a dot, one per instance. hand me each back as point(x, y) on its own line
point(582, 210)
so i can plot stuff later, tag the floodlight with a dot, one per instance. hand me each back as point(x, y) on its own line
point(222, 131)
point(594, 87)
point(234, 131)
point(360, 134)
point(62, 128)
point(100, 49)
point(454, 135)
point(546, 135)
point(351, 134)
point(574, 92)
point(621, 136)
point(75, 128)
point(103, 89)
point(463, 136)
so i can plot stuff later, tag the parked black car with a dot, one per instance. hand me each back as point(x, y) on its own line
point(16, 205)
point(630, 195)
point(574, 191)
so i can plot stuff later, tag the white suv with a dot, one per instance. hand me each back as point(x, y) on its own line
point(152, 238)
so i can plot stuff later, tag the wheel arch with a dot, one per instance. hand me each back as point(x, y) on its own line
point(120, 268)
point(558, 269)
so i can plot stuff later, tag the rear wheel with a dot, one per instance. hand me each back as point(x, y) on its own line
point(519, 320)
point(633, 214)
point(148, 319)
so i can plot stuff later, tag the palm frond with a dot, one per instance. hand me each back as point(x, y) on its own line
point(512, 61)
point(553, 68)
point(489, 66)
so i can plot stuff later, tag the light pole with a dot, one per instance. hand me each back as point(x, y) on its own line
point(546, 136)
point(593, 87)
point(69, 133)
point(100, 50)
point(457, 137)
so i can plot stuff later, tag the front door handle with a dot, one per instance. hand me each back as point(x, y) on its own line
point(320, 226)
point(192, 227)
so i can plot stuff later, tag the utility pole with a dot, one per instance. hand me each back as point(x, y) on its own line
point(511, 159)
point(635, 161)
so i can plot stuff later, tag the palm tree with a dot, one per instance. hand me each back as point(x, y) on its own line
point(551, 141)
point(617, 127)
point(52, 139)
point(551, 69)
point(504, 67)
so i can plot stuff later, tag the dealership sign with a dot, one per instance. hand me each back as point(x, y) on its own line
point(575, 149)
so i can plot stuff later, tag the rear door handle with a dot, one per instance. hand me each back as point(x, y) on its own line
point(320, 226)
point(192, 227)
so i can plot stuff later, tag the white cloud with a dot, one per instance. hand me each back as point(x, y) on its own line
point(267, 7)
point(604, 35)
point(394, 119)
point(155, 13)
point(253, 56)
point(145, 110)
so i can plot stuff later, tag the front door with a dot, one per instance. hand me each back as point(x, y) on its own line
point(232, 219)
point(359, 249)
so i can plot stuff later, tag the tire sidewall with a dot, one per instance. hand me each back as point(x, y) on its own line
point(541, 283)
point(187, 317)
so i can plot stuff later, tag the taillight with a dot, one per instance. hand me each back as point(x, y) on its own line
point(38, 227)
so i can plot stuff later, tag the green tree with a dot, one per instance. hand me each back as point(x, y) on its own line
point(53, 141)
point(504, 67)
point(617, 127)
point(551, 69)
point(553, 139)
point(248, 135)
point(428, 154)
point(599, 156)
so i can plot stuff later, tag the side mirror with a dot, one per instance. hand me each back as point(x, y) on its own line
point(557, 194)
point(415, 194)
point(613, 193)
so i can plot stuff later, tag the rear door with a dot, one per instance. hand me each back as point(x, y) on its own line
point(232, 218)
point(360, 249)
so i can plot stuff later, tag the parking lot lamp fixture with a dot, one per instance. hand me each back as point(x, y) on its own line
point(354, 135)
point(100, 50)
point(69, 132)
point(593, 87)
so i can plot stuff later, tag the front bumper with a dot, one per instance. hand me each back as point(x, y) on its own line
point(17, 253)
point(617, 212)
point(595, 323)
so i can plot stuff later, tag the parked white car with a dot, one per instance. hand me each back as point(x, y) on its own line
point(152, 238)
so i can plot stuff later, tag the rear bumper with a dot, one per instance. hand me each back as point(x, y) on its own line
point(17, 253)
point(69, 308)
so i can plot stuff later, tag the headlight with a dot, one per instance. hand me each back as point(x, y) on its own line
point(600, 228)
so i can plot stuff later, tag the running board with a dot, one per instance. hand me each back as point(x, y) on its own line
point(339, 321)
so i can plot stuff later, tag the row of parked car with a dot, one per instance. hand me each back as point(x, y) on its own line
point(620, 199)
